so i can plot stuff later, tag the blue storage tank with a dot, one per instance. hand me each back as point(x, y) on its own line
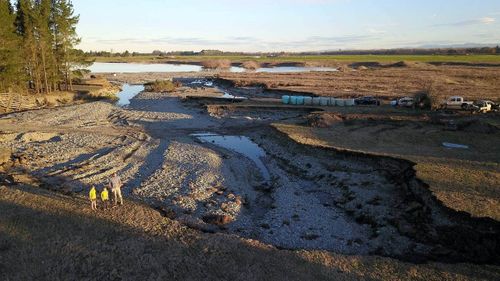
point(293, 100)
point(300, 100)
point(285, 99)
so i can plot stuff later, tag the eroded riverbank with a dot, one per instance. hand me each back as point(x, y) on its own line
point(315, 198)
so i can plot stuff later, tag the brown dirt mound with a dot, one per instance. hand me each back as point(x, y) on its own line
point(325, 120)
point(216, 64)
point(252, 65)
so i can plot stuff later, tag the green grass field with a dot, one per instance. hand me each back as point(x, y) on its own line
point(336, 58)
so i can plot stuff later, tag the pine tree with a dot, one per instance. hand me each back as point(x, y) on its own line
point(44, 41)
point(38, 38)
point(10, 57)
point(25, 25)
point(65, 38)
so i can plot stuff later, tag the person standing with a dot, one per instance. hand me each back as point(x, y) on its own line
point(105, 198)
point(115, 184)
point(93, 198)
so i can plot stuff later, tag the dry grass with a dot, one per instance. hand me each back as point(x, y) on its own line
point(386, 83)
point(464, 180)
point(47, 236)
point(161, 86)
point(216, 64)
point(250, 65)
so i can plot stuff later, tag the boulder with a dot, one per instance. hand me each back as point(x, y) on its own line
point(217, 219)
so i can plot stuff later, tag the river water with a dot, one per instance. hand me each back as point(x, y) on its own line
point(102, 67)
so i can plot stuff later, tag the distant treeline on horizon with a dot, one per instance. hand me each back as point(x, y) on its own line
point(413, 51)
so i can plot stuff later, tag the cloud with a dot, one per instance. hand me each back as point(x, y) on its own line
point(233, 42)
point(484, 20)
point(376, 31)
point(487, 20)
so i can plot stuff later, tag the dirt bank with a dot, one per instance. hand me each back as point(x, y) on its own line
point(317, 198)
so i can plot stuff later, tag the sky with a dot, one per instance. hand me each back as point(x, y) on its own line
point(284, 25)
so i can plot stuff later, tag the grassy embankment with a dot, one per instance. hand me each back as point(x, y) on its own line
point(463, 179)
point(311, 59)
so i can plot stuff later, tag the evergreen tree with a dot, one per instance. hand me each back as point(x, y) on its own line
point(65, 38)
point(25, 25)
point(10, 58)
point(44, 42)
point(38, 38)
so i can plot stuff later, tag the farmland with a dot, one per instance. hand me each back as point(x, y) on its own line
point(313, 60)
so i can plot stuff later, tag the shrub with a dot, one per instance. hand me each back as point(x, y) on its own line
point(427, 98)
point(161, 86)
point(216, 64)
point(252, 65)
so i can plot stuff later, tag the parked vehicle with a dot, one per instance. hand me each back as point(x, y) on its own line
point(480, 106)
point(368, 100)
point(495, 107)
point(456, 102)
point(406, 102)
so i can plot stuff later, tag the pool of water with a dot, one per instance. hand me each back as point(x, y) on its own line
point(102, 67)
point(127, 93)
point(239, 144)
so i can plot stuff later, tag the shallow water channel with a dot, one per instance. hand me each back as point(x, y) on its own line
point(127, 93)
point(239, 144)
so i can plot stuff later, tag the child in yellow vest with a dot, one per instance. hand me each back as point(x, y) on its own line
point(105, 197)
point(93, 198)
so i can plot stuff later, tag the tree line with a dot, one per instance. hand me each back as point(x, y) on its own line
point(406, 51)
point(37, 46)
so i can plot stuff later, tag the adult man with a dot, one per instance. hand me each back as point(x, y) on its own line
point(115, 184)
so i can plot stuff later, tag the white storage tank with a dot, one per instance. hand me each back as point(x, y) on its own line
point(349, 102)
point(308, 100)
point(340, 102)
point(316, 101)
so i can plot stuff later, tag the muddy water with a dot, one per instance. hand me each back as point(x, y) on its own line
point(239, 144)
point(127, 93)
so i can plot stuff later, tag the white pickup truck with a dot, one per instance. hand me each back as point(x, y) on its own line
point(456, 102)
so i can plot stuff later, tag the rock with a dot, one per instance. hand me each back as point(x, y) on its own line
point(217, 219)
point(406, 229)
point(265, 225)
point(413, 206)
point(167, 212)
point(231, 196)
point(310, 236)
